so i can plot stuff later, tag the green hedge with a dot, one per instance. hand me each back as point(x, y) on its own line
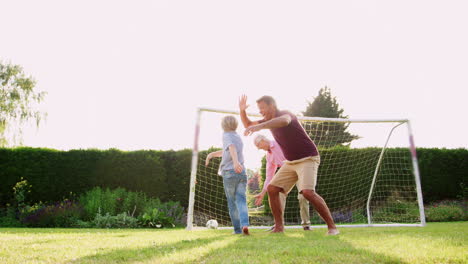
point(444, 173)
point(166, 174)
point(210, 199)
point(55, 174)
point(443, 176)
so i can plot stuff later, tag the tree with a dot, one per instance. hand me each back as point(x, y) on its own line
point(253, 182)
point(17, 97)
point(327, 134)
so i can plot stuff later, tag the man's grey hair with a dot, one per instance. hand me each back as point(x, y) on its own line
point(260, 137)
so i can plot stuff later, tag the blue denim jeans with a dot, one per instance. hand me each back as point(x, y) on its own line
point(235, 186)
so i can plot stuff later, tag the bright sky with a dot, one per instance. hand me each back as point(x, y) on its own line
point(131, 74)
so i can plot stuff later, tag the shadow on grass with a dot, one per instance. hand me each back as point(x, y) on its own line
point(260, 247)
point(154, 253)
point(453, 234)
point(294, 247)
point(57, 230)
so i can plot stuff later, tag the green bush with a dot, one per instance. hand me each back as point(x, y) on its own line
point(443, 173)
point(359, 217)
point(396, 211)
point(344, 217)
point(156, 218)
point(114, 202)
point(107, 204)
point(159, 214)
point(446, 211)
point(210, 199)
point(98, 208)
point(8, 217)
point(83, 224)
point(59, 214)
point(54, 174)
point(119, 221)
point(134, 203)
point(21, 191)
point(166, 174)
point(97, 200)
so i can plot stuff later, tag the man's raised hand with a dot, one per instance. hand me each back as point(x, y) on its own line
point(243, 103)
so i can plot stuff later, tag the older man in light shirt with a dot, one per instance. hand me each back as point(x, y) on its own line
point(274, 160)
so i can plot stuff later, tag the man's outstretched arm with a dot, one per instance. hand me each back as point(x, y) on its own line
point(280, 121)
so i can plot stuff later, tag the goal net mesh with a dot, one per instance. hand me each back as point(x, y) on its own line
point(365, 174)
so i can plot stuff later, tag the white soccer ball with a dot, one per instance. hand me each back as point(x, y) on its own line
point(212, 224)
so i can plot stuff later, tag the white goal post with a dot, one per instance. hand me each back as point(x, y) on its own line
point(368, 179)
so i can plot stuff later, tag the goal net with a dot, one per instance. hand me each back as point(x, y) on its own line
point(368, 174)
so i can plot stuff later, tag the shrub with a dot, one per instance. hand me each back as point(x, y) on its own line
point(60, 214)
point(54, 174)
point(91, 202)
point(166, 174)
point(443, 173)
point(20, 190)
point(156, 218)
point(8, 217)
point(108, 204)
point(114, 202)
point(174, 211)
point(83, 224)
point(359, 216)
point(446, 211)
point(159, 214)
point(119, 221)
point(397, 211)
point(133, 203)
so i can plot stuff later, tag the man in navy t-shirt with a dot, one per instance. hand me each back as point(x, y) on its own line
point(302, 158)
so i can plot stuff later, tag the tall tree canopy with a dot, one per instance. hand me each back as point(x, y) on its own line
point(17, 99)
point(327, 134)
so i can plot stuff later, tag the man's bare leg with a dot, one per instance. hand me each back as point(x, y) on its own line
point(322, 208)
point(304, 209)
point(275, 204)
point(282, 198)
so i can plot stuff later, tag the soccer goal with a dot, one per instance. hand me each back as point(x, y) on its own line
point(368, 173)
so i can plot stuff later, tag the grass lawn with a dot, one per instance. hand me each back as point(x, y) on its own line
point(435, 243)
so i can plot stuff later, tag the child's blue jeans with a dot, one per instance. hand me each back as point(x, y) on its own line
point(235, 186)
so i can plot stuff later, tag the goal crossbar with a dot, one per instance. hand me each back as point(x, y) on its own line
point(323, 119)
